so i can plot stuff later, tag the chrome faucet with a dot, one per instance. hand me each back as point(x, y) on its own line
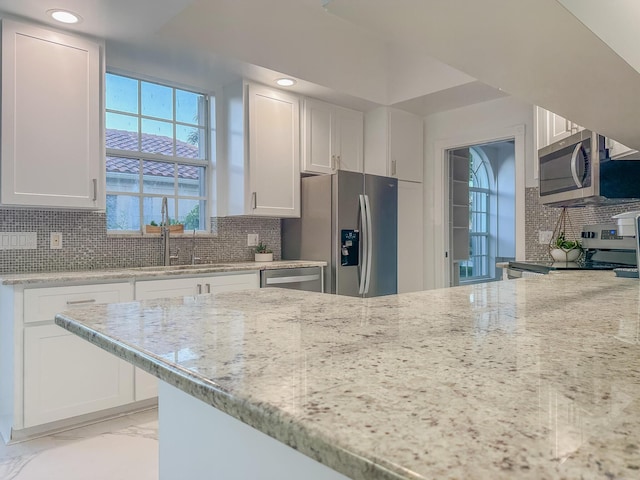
point(164, 232)
point(194, 259)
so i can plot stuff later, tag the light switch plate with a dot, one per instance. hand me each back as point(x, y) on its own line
point(252, 240)
point(544, 236)
point(18, 240)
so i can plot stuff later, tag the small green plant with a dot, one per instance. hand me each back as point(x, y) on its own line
point(564, 244)
point(171, 222)
point(262, 248)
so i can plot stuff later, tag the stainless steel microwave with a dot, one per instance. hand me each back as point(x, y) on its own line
point(577, 171)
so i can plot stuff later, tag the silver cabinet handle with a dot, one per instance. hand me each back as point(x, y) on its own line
point(574, 165)
point(393, 167)
point(95, 189)
point(365, 245)
point(199, 287)
point(369, 240)
point(254, 200)
point(81, 302)
point(332, 165)
point(208, 288)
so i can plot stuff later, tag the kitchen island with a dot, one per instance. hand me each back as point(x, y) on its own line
point(533, 378)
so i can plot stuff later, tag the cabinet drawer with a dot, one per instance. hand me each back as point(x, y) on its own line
point(41, 304)
point(247, 280)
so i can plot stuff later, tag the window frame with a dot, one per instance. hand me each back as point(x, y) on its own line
point(484, 256)
point(207, 163)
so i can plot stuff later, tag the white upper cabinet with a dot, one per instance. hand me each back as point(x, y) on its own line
point(260, 174)
point(52, 152)
point(394, 144)
point(332, 138)
point(618, 151)
point(553, 128)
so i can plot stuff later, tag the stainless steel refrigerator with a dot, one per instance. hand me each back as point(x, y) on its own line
point(349, 220)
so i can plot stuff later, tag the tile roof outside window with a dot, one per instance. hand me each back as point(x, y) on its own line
point(123, 140)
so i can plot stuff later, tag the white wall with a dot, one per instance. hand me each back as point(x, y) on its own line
point(497, 119)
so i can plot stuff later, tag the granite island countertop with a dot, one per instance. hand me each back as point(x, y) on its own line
point(535, 378)
point(150, 272)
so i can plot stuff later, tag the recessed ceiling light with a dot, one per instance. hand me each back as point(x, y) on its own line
point(64, 16)
point(286, 82)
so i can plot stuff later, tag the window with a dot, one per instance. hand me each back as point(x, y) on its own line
point(477, 266)
point(158, 145)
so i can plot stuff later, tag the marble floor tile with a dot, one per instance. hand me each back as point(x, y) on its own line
point(123, 448)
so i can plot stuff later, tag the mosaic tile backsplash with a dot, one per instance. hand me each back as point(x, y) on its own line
point(86, 245)
point(539, 218)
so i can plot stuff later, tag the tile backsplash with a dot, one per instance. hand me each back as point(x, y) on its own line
point(86, 245)
point(539, 217)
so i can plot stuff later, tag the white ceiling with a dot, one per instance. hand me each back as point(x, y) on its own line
point(407, 53)
point(536, 50)
point(220, 40)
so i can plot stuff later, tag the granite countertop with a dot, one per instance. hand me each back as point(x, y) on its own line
point(150, 272)
point(532, 378)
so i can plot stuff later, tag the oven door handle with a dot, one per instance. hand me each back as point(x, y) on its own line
point(574, 165)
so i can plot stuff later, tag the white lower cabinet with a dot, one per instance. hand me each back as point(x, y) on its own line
point(66, 376)
point(48, 374)
point(146, 385)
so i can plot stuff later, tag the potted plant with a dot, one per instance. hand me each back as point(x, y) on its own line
point(174, 227)
point(263, 254)
point(564, 250)
point(561, 249)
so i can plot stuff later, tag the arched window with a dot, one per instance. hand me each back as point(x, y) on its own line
point(480, 186)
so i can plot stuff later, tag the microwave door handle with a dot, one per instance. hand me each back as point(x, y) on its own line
point(574, 165)
point(365, 245)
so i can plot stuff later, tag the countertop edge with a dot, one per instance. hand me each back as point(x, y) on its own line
point(139, 273)
point(270, 421)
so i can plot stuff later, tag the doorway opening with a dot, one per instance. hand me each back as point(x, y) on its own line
point(482, 206)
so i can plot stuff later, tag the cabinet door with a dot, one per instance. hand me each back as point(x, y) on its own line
point(410, 237)
point(318, 152)
point(559, 127)
point(618, 150)
point(51, 148)
point(274, 153)
point(348, 139)
point(65, 376)
point(405, 146)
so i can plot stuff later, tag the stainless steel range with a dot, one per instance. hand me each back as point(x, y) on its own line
point(604, 249)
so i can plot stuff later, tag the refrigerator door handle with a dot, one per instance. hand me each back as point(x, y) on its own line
point(369, 244)
point(365, 245)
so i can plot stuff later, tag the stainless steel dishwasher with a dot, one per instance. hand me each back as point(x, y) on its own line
point(304, 278)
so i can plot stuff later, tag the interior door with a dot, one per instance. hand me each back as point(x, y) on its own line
point(458, 211)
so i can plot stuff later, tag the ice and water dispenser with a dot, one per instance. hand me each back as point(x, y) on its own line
point(349, 248)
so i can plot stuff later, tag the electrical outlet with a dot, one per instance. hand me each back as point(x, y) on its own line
point(55, 241)
point(252, 240)
point(544, 236)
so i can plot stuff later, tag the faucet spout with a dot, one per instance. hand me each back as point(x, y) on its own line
point(164, 232)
